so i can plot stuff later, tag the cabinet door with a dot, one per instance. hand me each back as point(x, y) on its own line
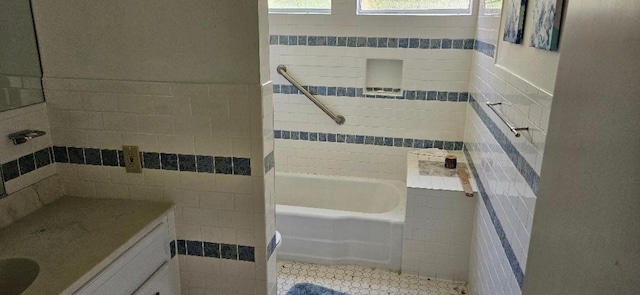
point(158, 284)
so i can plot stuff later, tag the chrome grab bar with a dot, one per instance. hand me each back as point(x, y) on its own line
point(514, 129)
point(282, 70)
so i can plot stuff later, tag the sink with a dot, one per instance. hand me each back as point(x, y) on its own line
point(17, 274)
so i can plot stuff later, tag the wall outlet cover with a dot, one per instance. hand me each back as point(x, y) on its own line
point(132, 161)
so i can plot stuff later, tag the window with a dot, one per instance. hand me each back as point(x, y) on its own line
point(415, 7)
point(491, 7)
point(300, 6)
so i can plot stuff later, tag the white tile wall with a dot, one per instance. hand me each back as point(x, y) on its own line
point(29, 199)
point(268, 189)
point(444, 70)
point(30, 117)
point(512, 199)
point(527, 104)
point(490, 272)
point(37, 188)
point(437, 234)
point(150, 41)
point(379, 117)
point(341, 159)
point(209, 119)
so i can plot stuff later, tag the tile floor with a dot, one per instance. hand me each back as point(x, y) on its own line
point(353, 279)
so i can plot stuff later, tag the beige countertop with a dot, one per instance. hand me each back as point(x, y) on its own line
point(420, 179)
point(73, 238)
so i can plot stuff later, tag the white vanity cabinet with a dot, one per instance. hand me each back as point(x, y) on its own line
point(144, 268)
point(160, 283)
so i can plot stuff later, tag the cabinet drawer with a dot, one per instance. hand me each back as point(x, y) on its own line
point(132, 268)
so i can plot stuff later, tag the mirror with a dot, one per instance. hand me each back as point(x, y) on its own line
point(20, 70)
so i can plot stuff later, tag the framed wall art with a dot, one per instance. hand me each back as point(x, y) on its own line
point(547, 15)
point(514, 22)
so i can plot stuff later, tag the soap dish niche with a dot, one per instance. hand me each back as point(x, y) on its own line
point(384, 77)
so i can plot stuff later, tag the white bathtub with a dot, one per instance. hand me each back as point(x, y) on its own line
point(340, 220)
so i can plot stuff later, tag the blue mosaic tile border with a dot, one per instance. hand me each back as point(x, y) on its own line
point(368, 140)
point(526, 170)
point(372, 42)
point(271, 247)
point(497, 225)
point(26, 164)
point(426, 95)
point(172, 248)
point(485, 48)
point(115, 158)
point(154, 160)
point(384, 42)
point(269, 163)
point(212, 250)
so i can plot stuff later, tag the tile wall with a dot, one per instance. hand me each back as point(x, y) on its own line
point(329, 53)
point(203, 133)
point(507, 169)
point(202, 148)
point(437, 234)
point(23, 202)
point(28, 163)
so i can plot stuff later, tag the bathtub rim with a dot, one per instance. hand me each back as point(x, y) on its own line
point(396, 215)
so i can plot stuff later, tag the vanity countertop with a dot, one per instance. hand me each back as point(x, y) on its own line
point(73, 238)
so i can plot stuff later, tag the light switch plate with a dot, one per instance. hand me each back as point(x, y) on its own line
point(132, 161)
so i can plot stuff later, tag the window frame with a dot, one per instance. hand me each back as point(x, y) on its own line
point(302, 10)
point(320, 11)
point(424, 12)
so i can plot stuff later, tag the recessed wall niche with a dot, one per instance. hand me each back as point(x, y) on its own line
point(384, 76)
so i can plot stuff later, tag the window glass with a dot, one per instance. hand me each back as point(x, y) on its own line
point(414, 6)
point(491, 7)
point(300, 6)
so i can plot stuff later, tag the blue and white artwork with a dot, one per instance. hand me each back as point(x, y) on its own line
point(514, 23)
point(547, 15)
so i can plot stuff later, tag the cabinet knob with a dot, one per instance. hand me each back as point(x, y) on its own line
point(157, 293)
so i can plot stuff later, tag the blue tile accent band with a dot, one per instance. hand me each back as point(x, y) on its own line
point(154, 160)
point(497, 225)
point(485, 48)
point(526, 170)
point(372, 42)
point(114, 158)
point(212, 250)
point(172, 248)
point(271, 247)
point(26, 164)
point(269, 163)
point(389, 93)
point(368, 140)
